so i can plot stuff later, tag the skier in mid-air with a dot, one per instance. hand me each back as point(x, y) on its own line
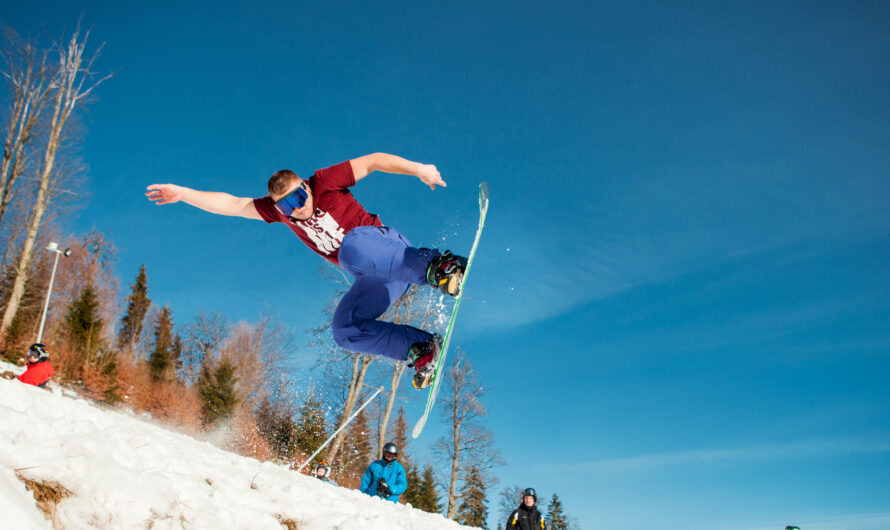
point(323, 213)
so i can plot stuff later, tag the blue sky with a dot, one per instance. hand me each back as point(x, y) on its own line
point(680, 302)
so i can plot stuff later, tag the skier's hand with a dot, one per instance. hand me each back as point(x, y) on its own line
point(164, 193)
point(383, 488)
point(430, 176)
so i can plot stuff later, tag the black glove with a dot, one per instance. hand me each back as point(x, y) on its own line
point(383, 489)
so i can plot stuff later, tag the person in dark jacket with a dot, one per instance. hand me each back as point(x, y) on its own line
point(385, 478)
point(39, 369)
point(527, 516)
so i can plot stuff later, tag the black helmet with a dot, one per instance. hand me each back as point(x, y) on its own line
point(391, 449)
point(323, 464)
point(37, 350)
point(529, 492)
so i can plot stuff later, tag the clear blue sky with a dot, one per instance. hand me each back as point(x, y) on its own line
point(680, 304)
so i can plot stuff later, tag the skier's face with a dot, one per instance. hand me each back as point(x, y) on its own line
point(529, 500)
point(299, 214)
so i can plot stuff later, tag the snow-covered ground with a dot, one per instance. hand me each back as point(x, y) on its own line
point(125, 472)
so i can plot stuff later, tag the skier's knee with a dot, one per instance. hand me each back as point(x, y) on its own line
point(343, 336)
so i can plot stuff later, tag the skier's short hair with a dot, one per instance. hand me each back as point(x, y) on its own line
point(280, 181)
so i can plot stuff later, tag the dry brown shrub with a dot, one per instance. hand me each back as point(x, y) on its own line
point(96, 384)
point(171, 402)
point(290, 524)
point(245, 437)
point(68, 363)
point(47, 494)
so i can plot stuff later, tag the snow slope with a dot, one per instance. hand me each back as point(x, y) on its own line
point(125, 472)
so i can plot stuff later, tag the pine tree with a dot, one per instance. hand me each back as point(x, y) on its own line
point(427, 497)
point(556, 518)
point(217, 390)
point(24, 325)
point(472, 510)
point(278, 427)
point(412, 494)
point(356, 453)
point(161, 361)
point(311, 429)
point(401, 438)
point(138, 304)
point(84, 328)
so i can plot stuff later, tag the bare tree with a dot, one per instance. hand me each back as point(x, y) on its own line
point(344, 370)
point(72, 83)
point(257, 351)
point(203, 337)
point(28, 79)
point(468, 442)
point(413, 307)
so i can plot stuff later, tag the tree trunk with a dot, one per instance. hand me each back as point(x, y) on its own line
point(68, 83)
point(360, 365)
point(455, 463)
point(43, 195)
point(393, 388)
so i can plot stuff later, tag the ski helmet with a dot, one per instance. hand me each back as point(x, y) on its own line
point(390, 449)
point(529, 492)
point(37, 350)
point(323, 465)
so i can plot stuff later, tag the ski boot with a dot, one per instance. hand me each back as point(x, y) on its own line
point(423, 356)
point(446, 271)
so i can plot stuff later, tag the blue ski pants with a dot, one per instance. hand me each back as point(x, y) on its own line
point(384, 265)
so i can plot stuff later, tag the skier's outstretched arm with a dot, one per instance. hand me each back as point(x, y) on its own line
point(210, 201)
point(427, 173)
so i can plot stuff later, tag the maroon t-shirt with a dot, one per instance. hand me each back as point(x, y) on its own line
point(336, 211)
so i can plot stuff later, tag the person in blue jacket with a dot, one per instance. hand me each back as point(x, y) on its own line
point(385, 478)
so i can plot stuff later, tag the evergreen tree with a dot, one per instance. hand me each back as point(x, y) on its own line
point(216, 387)
point(427, 497)
point(472, 510)
point(311, 429)
point(161, 361)
point(277, 427)
point(138, 304)
point(556, 518)
point(401, 438)
point(24, 325)
point(412, 494)
point(84, 328)
point(356, 453)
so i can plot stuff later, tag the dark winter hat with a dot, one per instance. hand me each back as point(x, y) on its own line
point(529, 492)
point(37, 350)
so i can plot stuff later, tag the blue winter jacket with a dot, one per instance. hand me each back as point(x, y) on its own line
point(392, 473)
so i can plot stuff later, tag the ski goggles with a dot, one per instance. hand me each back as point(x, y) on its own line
point(293, 200)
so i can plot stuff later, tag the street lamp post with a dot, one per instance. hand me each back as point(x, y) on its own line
point(52, 247)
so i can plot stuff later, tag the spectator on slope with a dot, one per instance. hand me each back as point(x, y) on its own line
point(39, 369)
point(323, 472)
point(385, 478)
point(322, 212)
point(526, 516)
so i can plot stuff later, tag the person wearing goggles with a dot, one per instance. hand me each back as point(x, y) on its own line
point(526, 516)
point(385, 478)
point(323, 213)
point(323, 472)
point(39, 368)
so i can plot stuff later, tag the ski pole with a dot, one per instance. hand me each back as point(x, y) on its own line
point(331, 437)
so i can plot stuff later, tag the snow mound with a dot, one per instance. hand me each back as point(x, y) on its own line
point(124, 472)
